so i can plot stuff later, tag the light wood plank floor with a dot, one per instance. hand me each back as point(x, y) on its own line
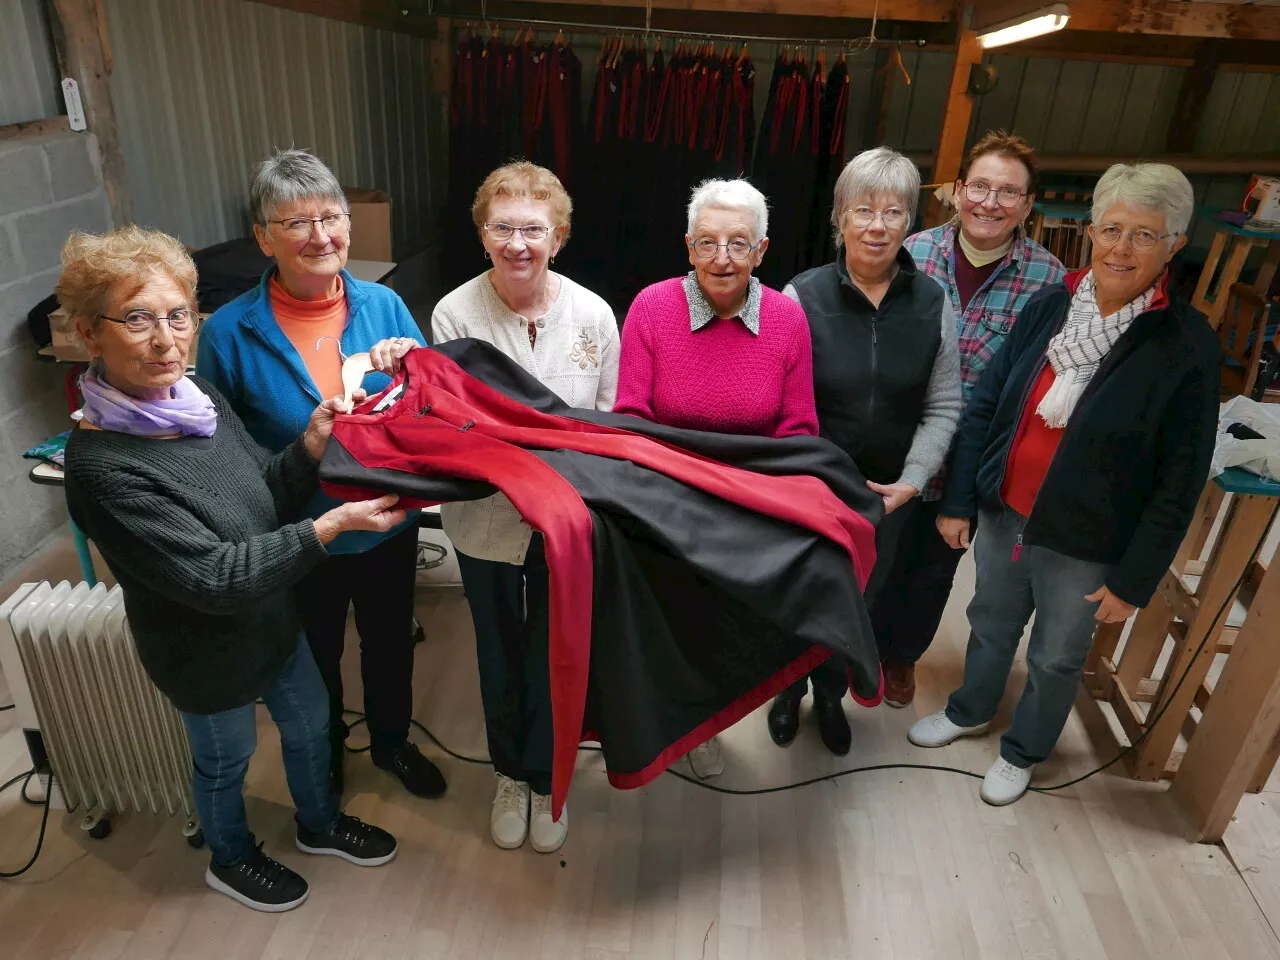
point(893, 864)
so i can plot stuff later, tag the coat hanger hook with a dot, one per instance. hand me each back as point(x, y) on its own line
point(341, 356)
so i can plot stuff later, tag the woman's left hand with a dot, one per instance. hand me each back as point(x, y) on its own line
point(385, 355)
point(321, 423)
point(1111, 609)
point(893, 494)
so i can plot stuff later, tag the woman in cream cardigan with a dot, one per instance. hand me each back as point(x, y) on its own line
point(567, 337)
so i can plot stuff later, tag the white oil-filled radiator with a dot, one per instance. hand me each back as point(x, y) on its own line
point(113, 741)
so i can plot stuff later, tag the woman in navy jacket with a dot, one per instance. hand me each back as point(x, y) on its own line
point(1084, 451)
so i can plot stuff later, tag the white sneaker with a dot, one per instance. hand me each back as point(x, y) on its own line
point(509, 821)
point(1005, 783)
point(547, 835)
point(705, 759)
point(936, 730)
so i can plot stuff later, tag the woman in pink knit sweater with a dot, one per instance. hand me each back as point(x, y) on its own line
point(716, 350)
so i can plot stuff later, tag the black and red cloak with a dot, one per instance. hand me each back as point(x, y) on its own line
point(693, 575)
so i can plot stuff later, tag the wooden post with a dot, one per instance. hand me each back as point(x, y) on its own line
point(1240, 722)
point(955, 122)
point(86, 59)
point(1196, 84)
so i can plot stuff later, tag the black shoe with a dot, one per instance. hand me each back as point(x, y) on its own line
point(784, 717)
point(419, 775)
point(833, 725)
point(351, 839)
point(259, 882)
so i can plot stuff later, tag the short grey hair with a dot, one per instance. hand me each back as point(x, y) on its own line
point(1156, 186)
point(288, 176)
point(730, 195)
point(880, 171)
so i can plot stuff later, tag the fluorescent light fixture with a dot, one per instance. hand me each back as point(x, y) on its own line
point(1034, 24)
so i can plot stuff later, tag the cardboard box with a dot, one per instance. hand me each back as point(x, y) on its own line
point(370, 224)
point(66, 343)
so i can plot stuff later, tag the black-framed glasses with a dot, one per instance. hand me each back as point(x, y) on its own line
point(738, 249)
point(1007, 196)
point(1140, 239)
point(139, 323)
point(299, 228)
point(532, 232)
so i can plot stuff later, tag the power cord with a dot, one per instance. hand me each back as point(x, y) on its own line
point(8, 706)
point(871, 768)
point(24, 779)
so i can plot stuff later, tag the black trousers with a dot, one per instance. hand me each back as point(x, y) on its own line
point(510, 607)
point(830, 676)
point(380, 584)
point(917, 586)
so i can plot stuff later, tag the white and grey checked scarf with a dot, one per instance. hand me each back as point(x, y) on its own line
point(1080, 346)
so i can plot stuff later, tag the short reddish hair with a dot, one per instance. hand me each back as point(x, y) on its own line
point(1009, 145)
point(527, 181)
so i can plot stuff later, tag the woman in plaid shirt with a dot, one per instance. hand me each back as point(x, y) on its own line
point(989, 268)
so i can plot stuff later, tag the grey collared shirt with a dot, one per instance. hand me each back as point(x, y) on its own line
point(701, 312)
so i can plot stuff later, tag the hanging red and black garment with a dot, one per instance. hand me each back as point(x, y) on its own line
point(798, 159)
point(693, 576)
point(508, 101)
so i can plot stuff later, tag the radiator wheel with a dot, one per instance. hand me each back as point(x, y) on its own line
point(100, 830)
point(196, 840)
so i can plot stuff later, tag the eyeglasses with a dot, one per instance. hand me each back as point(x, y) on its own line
point(893, 218)
point(738, 249)
point(139, 323)
point(1140, 239)
point(299, 228)
point(532, 232)
point(1007, 196)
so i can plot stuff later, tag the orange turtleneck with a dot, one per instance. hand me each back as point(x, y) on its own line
point(306, 321)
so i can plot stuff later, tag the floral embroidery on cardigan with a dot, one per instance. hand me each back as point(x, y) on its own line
point(585, 350)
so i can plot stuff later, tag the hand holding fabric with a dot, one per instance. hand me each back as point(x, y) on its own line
point(893, 494)
point(385, 355)
point(376, 515)
point(321, 423)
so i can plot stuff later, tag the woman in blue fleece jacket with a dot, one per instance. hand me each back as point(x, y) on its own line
point(266, 352)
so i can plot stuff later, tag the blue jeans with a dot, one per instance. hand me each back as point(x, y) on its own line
point(222, 743)
point(1053, 587)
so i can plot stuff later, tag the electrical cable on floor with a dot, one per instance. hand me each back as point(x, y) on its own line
point(8, 706)
point(44, 819)
point(25, 778)
point(937, 768)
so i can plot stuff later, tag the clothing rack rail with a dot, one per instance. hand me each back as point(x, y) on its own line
point(858, 43)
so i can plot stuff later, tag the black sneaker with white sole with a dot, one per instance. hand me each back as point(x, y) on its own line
point(259, 882)
point(351, 839)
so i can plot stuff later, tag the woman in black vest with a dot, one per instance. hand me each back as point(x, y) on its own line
point(886, 378)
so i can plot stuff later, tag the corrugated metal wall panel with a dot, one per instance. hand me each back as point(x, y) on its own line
point(28, 71)
point(1242, 114)
point(203, 89)
point(1081, 107)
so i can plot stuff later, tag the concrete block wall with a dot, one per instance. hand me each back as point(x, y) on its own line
point(49, 186)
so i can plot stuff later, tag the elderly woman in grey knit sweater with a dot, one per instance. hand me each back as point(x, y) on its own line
point(207, 535)
point(886, 379)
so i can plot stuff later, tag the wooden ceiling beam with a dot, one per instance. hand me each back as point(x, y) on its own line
point(1177, 18)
